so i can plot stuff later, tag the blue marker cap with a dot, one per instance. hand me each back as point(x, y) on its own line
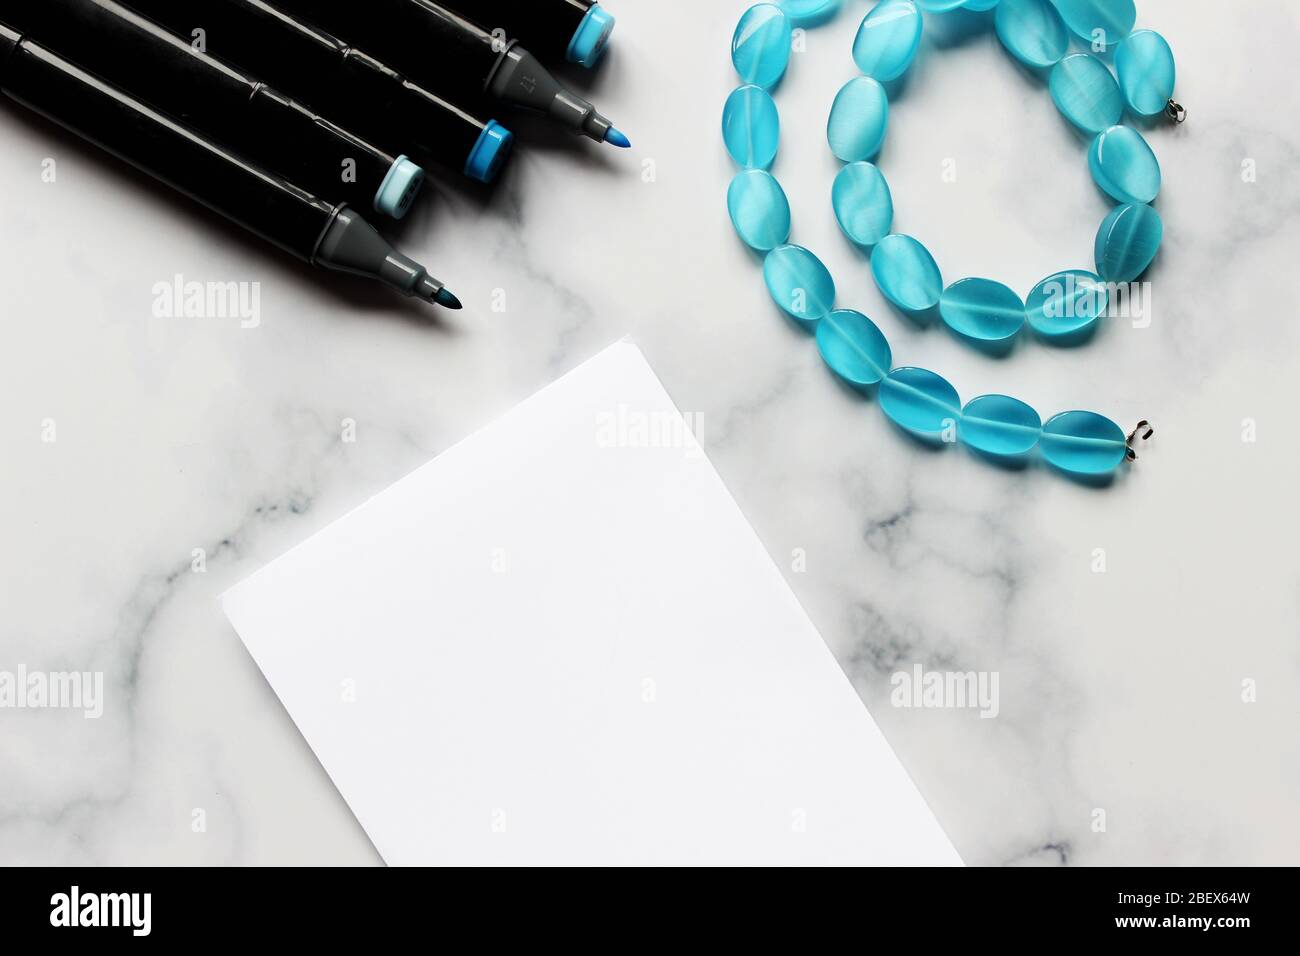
point(489, 152)
point(398, 190)
point(589, 41)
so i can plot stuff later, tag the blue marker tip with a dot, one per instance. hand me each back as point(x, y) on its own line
point(616, 138)
point(446, 299)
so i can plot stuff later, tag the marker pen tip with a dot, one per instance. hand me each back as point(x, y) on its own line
point(615, 137)
point(447, 300)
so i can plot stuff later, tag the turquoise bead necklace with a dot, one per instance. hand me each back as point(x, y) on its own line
point(1063, 309)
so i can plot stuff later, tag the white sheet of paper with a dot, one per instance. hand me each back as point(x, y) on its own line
point(566, 646)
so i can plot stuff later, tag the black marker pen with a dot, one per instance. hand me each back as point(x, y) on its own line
point(333, 237)
point(166, 72)
point(455, 57)
point(325, 73)
point(574, 30)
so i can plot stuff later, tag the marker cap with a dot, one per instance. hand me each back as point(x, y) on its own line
point(592, 35)
point(491, 150)
point(398, 190)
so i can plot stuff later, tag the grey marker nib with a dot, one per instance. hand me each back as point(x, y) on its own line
point(520, 79)
point(352, 245)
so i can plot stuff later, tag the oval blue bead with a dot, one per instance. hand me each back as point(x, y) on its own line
point(919, 401)
point(759, 209)
point(982, 309)
point(1099, 23)
point(1127, 242)
point(809, 12)
point(906, 273)
point(1066, 305)
point(760, 48)
point(1123, 165)
point(751, 127)
point(863, 204)
point(887, 40)
point(799, 283)
point(859, 115)
point(1086, 93)
point(1032, 31)
point(1146, 72)
point(854, 348)
point(1083, 443)
point(999, 425)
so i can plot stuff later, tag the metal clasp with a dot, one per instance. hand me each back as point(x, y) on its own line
point(1147, 431)
point(1175, 112)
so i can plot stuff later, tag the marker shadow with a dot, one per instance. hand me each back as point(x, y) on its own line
point(356, 292)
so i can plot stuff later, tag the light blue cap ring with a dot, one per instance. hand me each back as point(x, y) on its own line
point(589, 40)
point(400, 187)
point(489, 152)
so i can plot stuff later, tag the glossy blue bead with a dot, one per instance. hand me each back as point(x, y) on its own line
point(939, 6)
point(980, 6)
point(809, 12)
point(854, 348)
point(1066, 305)
point(982, 309)
point(799, 284)
point(1123, 165)
point(863, 204)
point(759, 209)
point(760, 48)
point(999, 425)
point(919, 401)
point(1101, 24)
point(1086, 93)
point(1146, 72)
point(859, 116)
point(1083, 443)
point(906, 273)
point(887, 40)
point(751, 127)
point(1127, 242)
point(1032, 31)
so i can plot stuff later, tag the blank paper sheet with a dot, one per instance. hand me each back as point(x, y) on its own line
point(560, 642)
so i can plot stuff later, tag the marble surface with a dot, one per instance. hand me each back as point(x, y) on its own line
point(1119, 691)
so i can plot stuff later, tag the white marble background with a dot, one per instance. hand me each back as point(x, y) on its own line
point(1119, 691)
